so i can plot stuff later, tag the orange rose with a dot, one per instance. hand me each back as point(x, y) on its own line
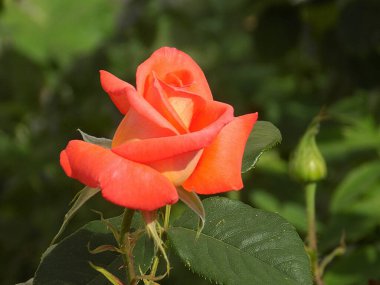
point(173, 134)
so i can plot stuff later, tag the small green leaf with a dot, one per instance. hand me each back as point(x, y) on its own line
point(241, 245)
point(263, 137)
point(107, 143)
point(110, 277)
point(80, 199)
point(67, 261)
point(192, 200)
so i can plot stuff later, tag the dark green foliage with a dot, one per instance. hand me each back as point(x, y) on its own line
point(241, 245)
point(68, 261)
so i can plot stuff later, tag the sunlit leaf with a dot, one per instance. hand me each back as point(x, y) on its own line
point(263, 137)
point(241, 245)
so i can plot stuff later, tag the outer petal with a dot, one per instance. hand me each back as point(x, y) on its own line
point(160, 148)
point(167, 63)
point(125, 183)
point(117, 89)
point(219, 169)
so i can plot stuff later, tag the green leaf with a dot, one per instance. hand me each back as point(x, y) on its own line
point(192, 200)
point(355, 206)
point(241, 245)
point(110, 277)
point(68, 261)
point(356, 185)
point(263, 137)
point(80, 199)
point(94, 140)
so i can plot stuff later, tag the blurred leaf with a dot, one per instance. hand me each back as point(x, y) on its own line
point(272, 162)
point(277, 32)
point(360, 34)
point(241, 245)
point(80, 199)
point(322, 16)
point(359, 183)
point(291, 211)
point(360, 134)
point(357, 267)
point(58, 30)
point(67, 261)
point(103, 142)
point(263, 137)
point(355, 206)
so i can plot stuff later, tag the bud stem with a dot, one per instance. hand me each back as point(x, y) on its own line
point(312, 246)
point(310, 189)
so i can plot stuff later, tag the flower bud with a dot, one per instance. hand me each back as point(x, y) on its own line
point(307, 164)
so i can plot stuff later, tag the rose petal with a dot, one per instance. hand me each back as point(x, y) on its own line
point(172, 65)
point(177, 106)
point(136, 126)
point(160, 101)
point(141, 122)
point(123, 182)
point(117, 89)
point(160, 148)
point(219, 169)
point(178, 168)
point(143, 115)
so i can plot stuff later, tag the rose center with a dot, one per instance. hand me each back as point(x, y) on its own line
point(179, 78)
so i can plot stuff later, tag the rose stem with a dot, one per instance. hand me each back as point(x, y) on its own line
point(124, 244)
point(310, 189)
point(167, 216)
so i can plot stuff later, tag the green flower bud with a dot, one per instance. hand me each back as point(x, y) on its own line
point(307, 163)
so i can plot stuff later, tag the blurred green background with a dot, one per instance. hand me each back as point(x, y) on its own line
point(284, 59)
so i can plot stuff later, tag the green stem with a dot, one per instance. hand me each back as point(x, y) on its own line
point(167, 216)
point(310, 189)
point(310, 211)
point(124, 244)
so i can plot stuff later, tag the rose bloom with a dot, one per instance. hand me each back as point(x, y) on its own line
point(173, 134)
